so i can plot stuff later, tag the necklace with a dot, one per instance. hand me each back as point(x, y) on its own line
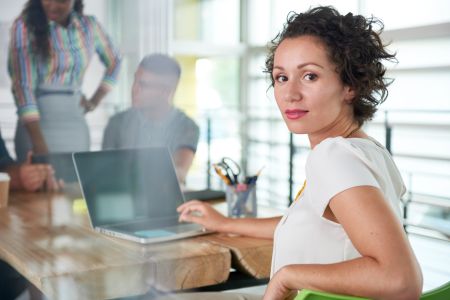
point(300, 192)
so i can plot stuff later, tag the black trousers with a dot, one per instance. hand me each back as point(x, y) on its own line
point(12, 284)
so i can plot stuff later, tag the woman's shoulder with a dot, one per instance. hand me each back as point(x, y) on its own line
point(329, 146)
point(19, 33)
point(344, 149)
point(340, 143)
point(86, 19)
point(19, 23)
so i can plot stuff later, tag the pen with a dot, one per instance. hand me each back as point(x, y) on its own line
point(244, 193)
point(224, 177)
point(252, 179)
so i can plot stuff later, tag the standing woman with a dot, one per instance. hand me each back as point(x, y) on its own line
point(51, 45)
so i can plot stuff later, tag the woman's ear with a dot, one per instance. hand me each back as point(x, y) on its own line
point(349, 94)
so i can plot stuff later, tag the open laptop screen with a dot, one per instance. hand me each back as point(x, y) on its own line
point(128, 185)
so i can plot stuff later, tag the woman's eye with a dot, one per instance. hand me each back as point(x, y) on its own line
point(281, 78)
point(310, 76)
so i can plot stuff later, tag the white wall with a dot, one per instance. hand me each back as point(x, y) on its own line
point(9, 10)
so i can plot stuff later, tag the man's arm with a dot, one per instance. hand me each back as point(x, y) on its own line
point(183, 158)
point(187, 145)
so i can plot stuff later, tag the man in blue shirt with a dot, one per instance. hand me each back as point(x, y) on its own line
point(153, 120)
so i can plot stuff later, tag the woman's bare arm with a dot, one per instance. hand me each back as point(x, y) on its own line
point(388, 268)
point(37, 138)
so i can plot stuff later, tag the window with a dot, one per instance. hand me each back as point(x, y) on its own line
point(417, 108)
point(221, 45)
point(206, 41)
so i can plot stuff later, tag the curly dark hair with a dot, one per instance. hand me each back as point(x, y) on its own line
point(37, 23)
point(352, 45)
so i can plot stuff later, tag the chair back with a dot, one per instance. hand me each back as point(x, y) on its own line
point(442, 292)
point(306, 294)
point(439, 293)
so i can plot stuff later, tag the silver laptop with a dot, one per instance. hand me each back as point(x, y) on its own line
point(133, 194)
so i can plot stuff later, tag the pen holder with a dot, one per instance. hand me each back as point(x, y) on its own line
point(241, 200)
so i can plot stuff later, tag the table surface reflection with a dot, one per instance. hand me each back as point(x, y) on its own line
point(50, 242)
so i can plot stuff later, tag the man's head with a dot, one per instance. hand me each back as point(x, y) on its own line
point(155, 82)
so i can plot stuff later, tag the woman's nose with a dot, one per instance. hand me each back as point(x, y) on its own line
point(293, 92)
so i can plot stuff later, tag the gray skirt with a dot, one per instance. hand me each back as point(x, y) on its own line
point(62, 122)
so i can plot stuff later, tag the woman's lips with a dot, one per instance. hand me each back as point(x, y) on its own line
point(294, 114)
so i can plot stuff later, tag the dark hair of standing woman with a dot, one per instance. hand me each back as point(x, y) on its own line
point(37, 24)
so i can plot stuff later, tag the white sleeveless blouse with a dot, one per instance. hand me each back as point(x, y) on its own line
point(303, 236)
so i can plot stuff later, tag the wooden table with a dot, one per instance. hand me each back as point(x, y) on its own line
point(49, 241)
point(251, 256)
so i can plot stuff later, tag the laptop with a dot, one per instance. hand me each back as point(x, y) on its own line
point(204, 195)
point(61, 162)
point(133, 194)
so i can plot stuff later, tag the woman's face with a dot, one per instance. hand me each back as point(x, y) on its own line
point(58, 10)
point(309, 93)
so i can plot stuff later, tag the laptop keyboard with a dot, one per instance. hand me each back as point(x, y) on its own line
point(146, 224)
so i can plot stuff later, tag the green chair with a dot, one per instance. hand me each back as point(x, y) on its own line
point(439, 293)
point(306, 294)
point(442, 292)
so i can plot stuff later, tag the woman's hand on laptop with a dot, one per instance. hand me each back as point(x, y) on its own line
point(201, 213)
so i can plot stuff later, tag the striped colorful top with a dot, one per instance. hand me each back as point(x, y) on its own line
point(72, 48)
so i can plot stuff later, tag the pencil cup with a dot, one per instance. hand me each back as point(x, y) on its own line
point(241, 200)
point(4, 189)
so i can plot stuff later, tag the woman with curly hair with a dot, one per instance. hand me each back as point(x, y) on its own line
point(343, 233)
point(52, 43)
